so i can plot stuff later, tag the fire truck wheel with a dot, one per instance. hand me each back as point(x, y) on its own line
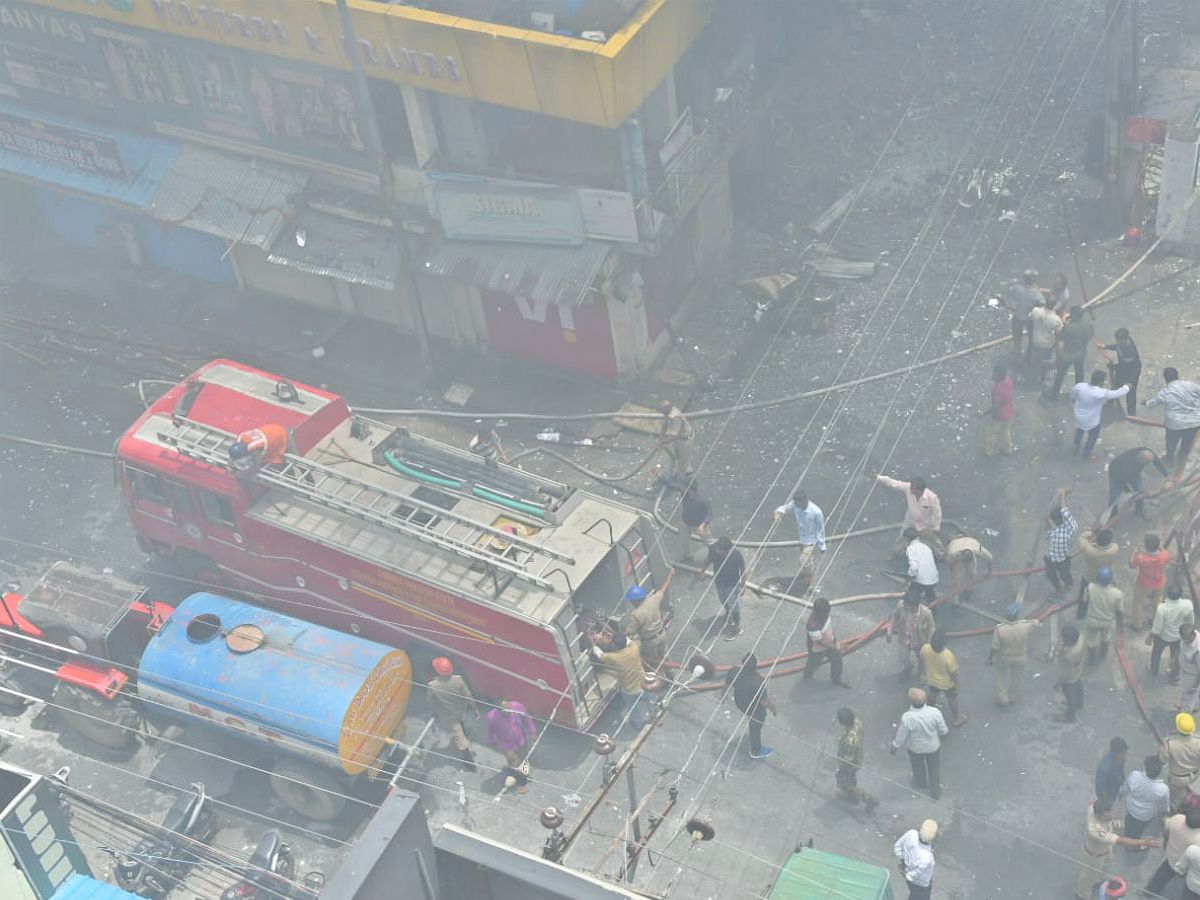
point(198, 568)
point(308, 789)
point(109, 723)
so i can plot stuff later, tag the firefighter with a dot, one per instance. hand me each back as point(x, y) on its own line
point(266, 445)
point(451, 699)
point(645, 622)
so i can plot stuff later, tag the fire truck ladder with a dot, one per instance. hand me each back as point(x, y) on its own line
point(390, 509)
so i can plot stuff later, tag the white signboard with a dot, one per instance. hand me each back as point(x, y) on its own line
point(608, 215)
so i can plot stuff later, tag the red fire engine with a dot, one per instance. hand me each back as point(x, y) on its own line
point(373, 530)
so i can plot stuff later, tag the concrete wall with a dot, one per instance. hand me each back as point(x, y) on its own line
point(129, 235)
point(396, 857)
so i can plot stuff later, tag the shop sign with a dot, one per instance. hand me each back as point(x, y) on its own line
point(522, 215)
point(608, 215)
point(33, 21)
point(82, 151)
point(222, 22)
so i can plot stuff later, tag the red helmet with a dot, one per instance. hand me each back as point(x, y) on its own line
point(443, 666)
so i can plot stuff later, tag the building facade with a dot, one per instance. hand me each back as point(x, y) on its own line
point(553, 185)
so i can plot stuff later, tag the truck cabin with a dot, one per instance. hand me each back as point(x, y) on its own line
point(100, 616)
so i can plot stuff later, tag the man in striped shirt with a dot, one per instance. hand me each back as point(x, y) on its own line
point(1147, 797)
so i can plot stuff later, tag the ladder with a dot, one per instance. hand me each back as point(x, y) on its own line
point(521, 558)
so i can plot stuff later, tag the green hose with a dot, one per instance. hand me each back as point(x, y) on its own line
point(517, 505)
point(481, 492)
point(418, 474)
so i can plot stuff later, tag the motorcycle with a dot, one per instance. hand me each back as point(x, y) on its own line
point(158, 863)
point(272, 868)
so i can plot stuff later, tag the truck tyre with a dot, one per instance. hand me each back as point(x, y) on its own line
point(109, 723)
point(199, 569)
point(308, 789)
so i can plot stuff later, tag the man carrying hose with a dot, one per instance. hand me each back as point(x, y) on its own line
point(923, 512)
point(810, 527)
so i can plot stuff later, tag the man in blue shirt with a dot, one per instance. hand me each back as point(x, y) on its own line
point(1110, 772)
point(810, 524)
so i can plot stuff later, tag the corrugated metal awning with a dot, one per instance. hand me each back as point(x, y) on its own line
point(241, 199)
point(353, 251)
point(561, 275)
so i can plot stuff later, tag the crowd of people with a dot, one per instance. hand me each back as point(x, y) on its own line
point(1051, 338)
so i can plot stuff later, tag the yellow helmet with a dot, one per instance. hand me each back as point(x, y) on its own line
point(1185, 724)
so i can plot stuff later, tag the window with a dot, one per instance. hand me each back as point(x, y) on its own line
point(216, 508)
point(180, 498)
point(146, 486)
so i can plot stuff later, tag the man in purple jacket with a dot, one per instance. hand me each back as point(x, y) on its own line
point(509, 729)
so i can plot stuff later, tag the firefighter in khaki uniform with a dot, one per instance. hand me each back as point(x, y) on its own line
point(624, 657)
point(1010, 652)
point(1181, 755)
point(644, 622)
point(1106, 610)
point(1101, 834)
point(450, 698)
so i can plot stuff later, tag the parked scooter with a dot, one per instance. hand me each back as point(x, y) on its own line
point(269, 875)
point(159, 862)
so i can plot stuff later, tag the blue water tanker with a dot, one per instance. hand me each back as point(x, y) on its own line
point(331, 704)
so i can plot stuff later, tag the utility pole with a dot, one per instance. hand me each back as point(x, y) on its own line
point(371, 138)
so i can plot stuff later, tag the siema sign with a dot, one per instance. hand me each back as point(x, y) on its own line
point(82, 151)
point(492, 212)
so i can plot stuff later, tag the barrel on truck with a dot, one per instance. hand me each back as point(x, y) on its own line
point(328, 705)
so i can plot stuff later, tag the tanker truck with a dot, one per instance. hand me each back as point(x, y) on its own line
point(328, 706)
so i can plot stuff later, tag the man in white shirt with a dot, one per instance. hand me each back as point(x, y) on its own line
point(1189, 668)
point(914, 849)
point(1046, 324)
point(1191, 875)
point(920, 732)
point(922, 567)
point(1090, 398)
point(1170, 616)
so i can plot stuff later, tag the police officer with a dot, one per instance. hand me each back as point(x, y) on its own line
point(1181, 754)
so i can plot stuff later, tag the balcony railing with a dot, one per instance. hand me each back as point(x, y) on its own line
point(689, 173)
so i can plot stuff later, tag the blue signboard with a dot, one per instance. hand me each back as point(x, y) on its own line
point(498, 212)
point(82, 151)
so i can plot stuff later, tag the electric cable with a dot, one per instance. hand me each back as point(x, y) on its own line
point(1060, 69)
point(921, 235)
